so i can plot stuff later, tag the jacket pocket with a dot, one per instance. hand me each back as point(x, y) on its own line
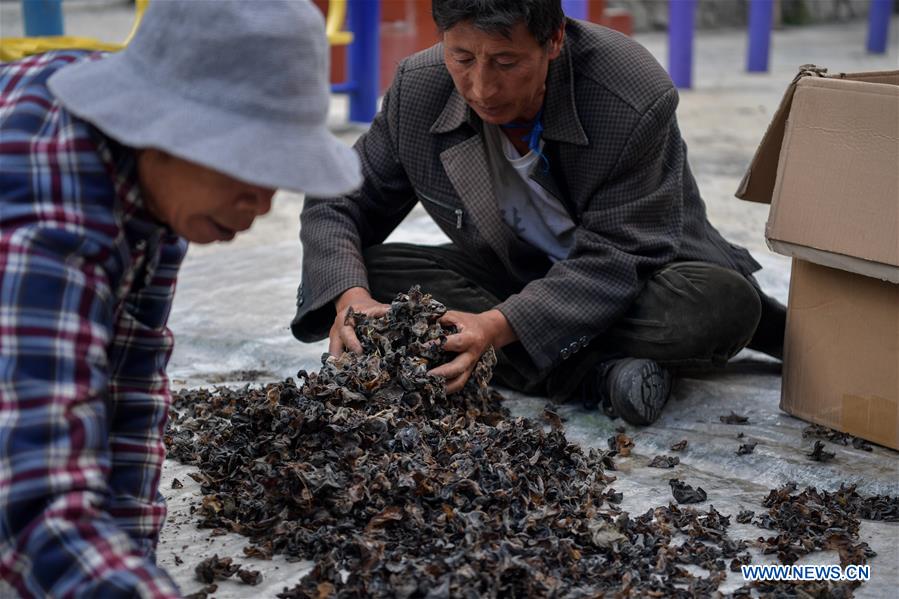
point(444, 209)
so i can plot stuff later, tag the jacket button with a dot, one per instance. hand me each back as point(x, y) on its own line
point(564, 353)
point(583, 340)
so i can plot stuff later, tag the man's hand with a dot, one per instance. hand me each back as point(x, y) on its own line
point(477, 332)
point(342, 336)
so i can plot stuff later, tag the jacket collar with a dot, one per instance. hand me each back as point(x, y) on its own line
point(560, 118)
point(455, 113)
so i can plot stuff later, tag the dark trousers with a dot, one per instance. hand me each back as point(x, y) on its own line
point(688, 314)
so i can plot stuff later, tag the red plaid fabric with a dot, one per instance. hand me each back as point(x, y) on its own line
point(87, 279)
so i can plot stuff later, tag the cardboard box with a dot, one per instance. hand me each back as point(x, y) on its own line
point(829, 167)
point(841, 355)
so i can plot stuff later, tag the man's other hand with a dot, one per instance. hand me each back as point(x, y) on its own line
point(476, 333)
point(342, 335)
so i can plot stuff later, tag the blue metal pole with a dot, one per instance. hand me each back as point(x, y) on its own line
point(42, 17)
point(878, 25)
point(760, 15)
point(347, 87)
point(680, 42)
point(576, 9)
point(364, 59)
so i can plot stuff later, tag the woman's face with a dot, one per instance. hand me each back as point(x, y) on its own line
point(198, 203)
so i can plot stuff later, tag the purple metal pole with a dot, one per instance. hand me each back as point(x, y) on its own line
point(680, 42)
point(576, 9)
point(760, 15)
point(878, 25)
point(42, 17)
point(363, 58)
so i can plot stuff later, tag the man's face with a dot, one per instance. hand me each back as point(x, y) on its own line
point(502, 78)
point(199, 204)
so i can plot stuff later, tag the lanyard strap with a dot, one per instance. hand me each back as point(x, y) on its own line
point(533, 136)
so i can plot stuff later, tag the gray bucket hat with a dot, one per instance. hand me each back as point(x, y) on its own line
point(238, 86)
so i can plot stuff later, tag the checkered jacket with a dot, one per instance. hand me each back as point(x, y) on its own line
point(86, 284)
point(617, 163)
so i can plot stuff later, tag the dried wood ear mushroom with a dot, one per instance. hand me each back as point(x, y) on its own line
point(367, 467)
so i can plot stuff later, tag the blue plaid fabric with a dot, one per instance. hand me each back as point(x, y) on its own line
point(87, 279)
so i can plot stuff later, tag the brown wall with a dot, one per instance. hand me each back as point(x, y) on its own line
point(406, 27)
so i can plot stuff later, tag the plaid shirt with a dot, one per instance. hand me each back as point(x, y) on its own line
point(86, 285)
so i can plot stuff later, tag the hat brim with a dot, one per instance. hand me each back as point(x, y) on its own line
point(272, 153)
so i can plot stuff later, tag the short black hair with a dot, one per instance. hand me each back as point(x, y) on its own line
point(542, 17)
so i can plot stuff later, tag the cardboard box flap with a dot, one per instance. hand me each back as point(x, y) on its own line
point(758, 181)
point(874, 270)
point(757, 184)
point(837, 181)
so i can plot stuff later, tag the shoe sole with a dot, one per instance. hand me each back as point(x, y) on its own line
point(655, 387)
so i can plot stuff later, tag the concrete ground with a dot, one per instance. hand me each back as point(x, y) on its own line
point(235, 302)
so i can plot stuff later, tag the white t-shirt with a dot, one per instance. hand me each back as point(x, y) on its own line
point(534, 214)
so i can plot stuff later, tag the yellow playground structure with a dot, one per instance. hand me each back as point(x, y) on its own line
point(14, 48)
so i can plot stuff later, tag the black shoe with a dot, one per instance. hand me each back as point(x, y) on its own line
point(769, 334)
point(634, 388)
